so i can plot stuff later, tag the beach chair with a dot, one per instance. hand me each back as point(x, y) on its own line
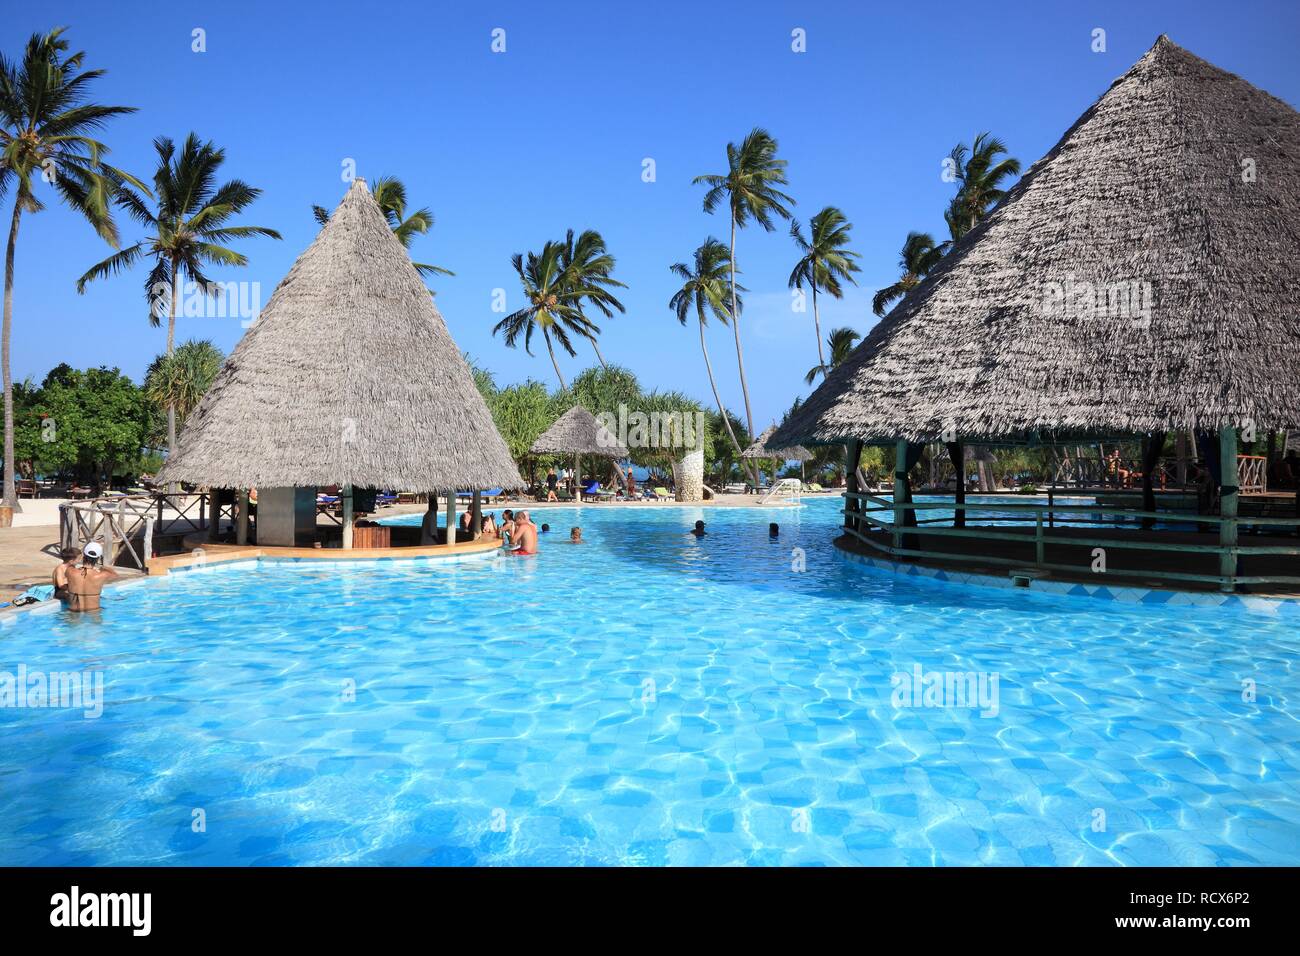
point(814, 487)
point(661, 494)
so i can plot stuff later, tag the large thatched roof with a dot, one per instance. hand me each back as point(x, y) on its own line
point(1183, 179)
point(759, 449)
point(349, 376)
point(578, 432)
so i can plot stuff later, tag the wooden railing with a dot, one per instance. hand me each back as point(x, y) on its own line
point(123, 525)
point(862, 509)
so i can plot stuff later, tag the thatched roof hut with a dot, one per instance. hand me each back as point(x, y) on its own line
point(1143, 276)
point(348, 377)
point(759, 449)
point(578, 432)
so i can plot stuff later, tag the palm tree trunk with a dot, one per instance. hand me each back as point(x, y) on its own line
point(740, 354)
point(603, 363)
point(10, 488)
point(171, 348)
point(708, 366)
point(817, 327)
point(547, 335)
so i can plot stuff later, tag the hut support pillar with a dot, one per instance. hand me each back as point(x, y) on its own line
point(347, 516)
point(577, 477)
point(241, 529)
point(900, 490)
point(214, 513)
point(475, 515)
point(1229, 494)
point(451, 519)
point(957, 453)
point(852, 456)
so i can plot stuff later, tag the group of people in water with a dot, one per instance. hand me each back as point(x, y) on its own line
point(517, 531)
point(80, 577)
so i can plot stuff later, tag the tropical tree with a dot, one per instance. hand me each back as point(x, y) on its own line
point(749, 188)
point(919, 256)
point(390, 193)
point(554, 305)
point(46, 124)
point(826, 261)
point(587, 267)
point(704, 292)
point(840, 342)
point(980, 176)
point(521, 413)
point(179, 380)
point(186, 234)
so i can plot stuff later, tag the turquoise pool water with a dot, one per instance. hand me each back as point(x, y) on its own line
point(647, 698)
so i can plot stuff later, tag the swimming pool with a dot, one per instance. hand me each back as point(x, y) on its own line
point(647, 698)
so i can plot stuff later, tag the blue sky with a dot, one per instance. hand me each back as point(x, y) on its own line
point(510, 149)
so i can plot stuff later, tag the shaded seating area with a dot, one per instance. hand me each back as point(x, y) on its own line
point(1085, 311)
point(400, 411)
point(578, 433)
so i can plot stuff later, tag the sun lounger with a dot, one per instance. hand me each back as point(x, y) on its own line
point(662, 494)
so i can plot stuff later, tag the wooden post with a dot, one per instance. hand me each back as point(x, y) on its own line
point(1229, 494)
point(241, 530)
point(900, 490)
point(852, 456)
point(957, 455)
point(451, 519)
point(577, 477)
point(1039, 550)
point(214, 513)
point(475, 515)
point(347, 516)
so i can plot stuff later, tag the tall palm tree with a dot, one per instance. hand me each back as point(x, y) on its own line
point(192, 221)
point(826, 260)
point(179, 380)
point(840, 342)
point(588, 269)
point(45, 130)
point(390, 193)
point(554, 305)
point(919, 256)
point(980, 175)
point(704, 289)
point(749, 189)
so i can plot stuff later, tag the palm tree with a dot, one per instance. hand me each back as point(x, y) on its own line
point(704, 289)
point(826, 260)
point(980, 174)
point(192, 220)
point(919, 256)
point(45, 130)
point(587, 267)
point(554, 305)
point(179, 380)
point(390, 193)
point(840, 342)
point(749, 188)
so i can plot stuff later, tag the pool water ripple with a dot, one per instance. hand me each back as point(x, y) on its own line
point(647, 698)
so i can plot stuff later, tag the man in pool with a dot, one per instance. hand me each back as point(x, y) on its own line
point(524, 539)
point(546, 529)
point(575, 536)
point(87, 579)
point(773, 530)
point(698, 530)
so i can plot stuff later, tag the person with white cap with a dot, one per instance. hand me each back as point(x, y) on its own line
point(87, 579)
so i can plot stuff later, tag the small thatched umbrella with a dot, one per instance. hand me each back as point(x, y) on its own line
point(577, 432)
point(350, 377)
point(759, 449)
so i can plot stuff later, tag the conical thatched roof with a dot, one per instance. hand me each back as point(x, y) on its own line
point(349, 376)
point(759, 449)
point(578, 432)
point(1183, 179)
